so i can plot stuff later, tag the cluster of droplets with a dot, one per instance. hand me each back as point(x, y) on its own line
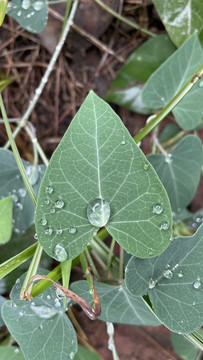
point(37, 5)
point(158, 210)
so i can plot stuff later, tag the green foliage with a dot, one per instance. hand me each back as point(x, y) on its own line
point(184, 348)
point(124, 89)
point(6, 207)
point(98, 159)
point(3, 6)
point(180, 19)
point(23, 208)
point(84, 354)
point(174, 282)
point(180, 171)
point(117, 304)
point(2, 300)
point(11, 353)
point(30, 14)
point(40, 326)
point(170, 77)
point(4, 80)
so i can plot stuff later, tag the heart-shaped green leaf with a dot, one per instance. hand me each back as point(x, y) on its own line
point(180, 171)
point(180, 20)
point(11, 353)
point(117, 304)
point(99, 177)
point(170, 77)
point(6, 207)
point(40, 327)
point(174, 282)
point(30, 14)
point(11, 183)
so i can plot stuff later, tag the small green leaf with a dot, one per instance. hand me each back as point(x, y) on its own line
point(180, 171)
point(3, 6)
point(11, 353)
point(124, 89)
point(40, 327)
point(184, 348)
point(170, 77)
point(174, 282)
point(11, 184)
point(6, 207)
point(30, 14)
point(117, 304)
point(84, 354)
point(99, 177)
point(180, 20)
point(2, 301)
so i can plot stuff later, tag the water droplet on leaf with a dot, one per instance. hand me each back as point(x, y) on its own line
point(22, 192)
point(60, 294)
point(157, 209)
point(53, 210)
point(38, 5)
point(15, 198)
point(48, 297)
point(201, 84)
point(19, 206)
point(35, 236)
point(123, 142)
point(59, 204)
point(43, 312)
point(180, 274)
point(48, 231)
point(98, 212)
point(72, 230)
point(146, 166)
point(169, 158)
point(167, 274)
point(164, 226)
point(152, 284)
point(59, 231)
point(16, 351)
point(21, 313)
point(47, 202)
point(26, 4)
point(19, 13)
point(49, 190)
point(43, 222)
point(197, 283)
point(60, 253)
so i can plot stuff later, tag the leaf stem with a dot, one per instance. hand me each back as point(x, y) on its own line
point(68, 6)
point(65, 271)
point(121, 264)
point(84, 265)
point(33, 138)
point(123, 19)
point(113, 241)
point(169, 107)
point(91, 262)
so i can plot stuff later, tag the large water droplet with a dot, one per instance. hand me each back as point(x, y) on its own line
point(48, 189)
point(33, 174)
point(197, 283)
point(59, 204)
point(167, 274)
point(49, 231)
point(22, 192)
point(60, 253)
point(26, 4)
point(164, 226)
point(157, 209)
point(38, 5)
point(146, 166)
point(72, 230)
point(152, 284)
point(43, 312)
point(98, 212)
point(43, 222)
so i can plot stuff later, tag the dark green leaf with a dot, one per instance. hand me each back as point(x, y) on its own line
point(180, 171)
point(11, 353)
point(97, 165)
point(30, 14)
point(40, 327)
point(184, 348)
point(181, 19)
point(174, 282)
point(85, 354)
point(170, 77)
point(168, 132)
point(12, 184)
point(117, 304)
point(6, 207)
point(2, 300)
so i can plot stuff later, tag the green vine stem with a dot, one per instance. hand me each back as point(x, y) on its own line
point(169, 107)
point(42, 285)
point(91, 263)
point(123, 19)
point(113, 241)
point(33, 138)
point(84, 265)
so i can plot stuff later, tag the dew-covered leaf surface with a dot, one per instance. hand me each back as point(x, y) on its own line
point(6, 207)
point(117, 304)
point(174, 282)
point(11, 184)
point(180, 19)
point(180, 171)
point(99, 177)
point(40, 326)
point(170, 77)
point(30, 14)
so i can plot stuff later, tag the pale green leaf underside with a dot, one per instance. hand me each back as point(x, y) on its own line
point(176, 301)
point(180, 19)
point(11, 184)
point(30, 14)
point(183, 347)
point(97, 158)
point(181, 173)
point(11, 353)
point(6, 207)
point(117, 304)
point(40, 338)
point(170, 77)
